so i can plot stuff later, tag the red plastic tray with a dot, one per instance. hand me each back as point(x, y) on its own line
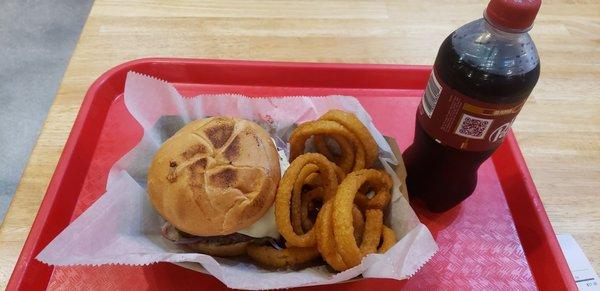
point(499, 238)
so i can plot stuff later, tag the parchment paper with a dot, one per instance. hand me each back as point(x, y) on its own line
point(122, 226)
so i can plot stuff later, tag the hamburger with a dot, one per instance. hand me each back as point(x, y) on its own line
point(214, 182)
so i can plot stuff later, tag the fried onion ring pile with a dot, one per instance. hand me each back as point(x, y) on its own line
point(329, 204)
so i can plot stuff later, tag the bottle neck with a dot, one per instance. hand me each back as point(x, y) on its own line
point(503, 30)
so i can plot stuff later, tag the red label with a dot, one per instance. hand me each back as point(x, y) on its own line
point(462, 122)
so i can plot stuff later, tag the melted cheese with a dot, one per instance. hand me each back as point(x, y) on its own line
point(265, 226)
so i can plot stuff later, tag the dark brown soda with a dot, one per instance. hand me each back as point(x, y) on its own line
point(441, 176)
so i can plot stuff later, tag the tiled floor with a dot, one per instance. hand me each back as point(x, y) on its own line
point(37, 39)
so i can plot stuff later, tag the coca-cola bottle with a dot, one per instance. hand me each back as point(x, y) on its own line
point(482, 76)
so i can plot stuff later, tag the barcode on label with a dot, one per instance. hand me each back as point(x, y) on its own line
point(431, 95)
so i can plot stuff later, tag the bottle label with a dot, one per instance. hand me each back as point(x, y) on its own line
point(461, 122)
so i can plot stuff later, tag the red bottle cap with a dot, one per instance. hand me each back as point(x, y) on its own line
point(512, 14)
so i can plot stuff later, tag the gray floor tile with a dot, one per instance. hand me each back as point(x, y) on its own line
point(37, 39)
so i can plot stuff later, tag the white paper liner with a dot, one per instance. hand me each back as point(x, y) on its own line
point(122, 227)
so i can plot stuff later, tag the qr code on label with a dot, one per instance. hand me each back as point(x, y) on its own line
point(473, 127)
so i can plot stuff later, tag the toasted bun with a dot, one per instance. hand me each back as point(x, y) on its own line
point(215, 176)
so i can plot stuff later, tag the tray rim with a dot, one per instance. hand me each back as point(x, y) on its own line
point(521, 181)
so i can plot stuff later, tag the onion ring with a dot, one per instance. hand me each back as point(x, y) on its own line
point(372, 235)
point(388, 238)
point(284, 193)
point(342, 216)
point(323, 148)
point(378, 201)
point(325, 236)
point(299, 209)
point(357, 217)
point(314, 179)
point(354, 125)
point(296, 202)
point(361, 200)
point(325, 240)
point(307, 198)
point(285, 258)
point(330, 128)
point(358, 222)
point(381, 199)
point(343, 157)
